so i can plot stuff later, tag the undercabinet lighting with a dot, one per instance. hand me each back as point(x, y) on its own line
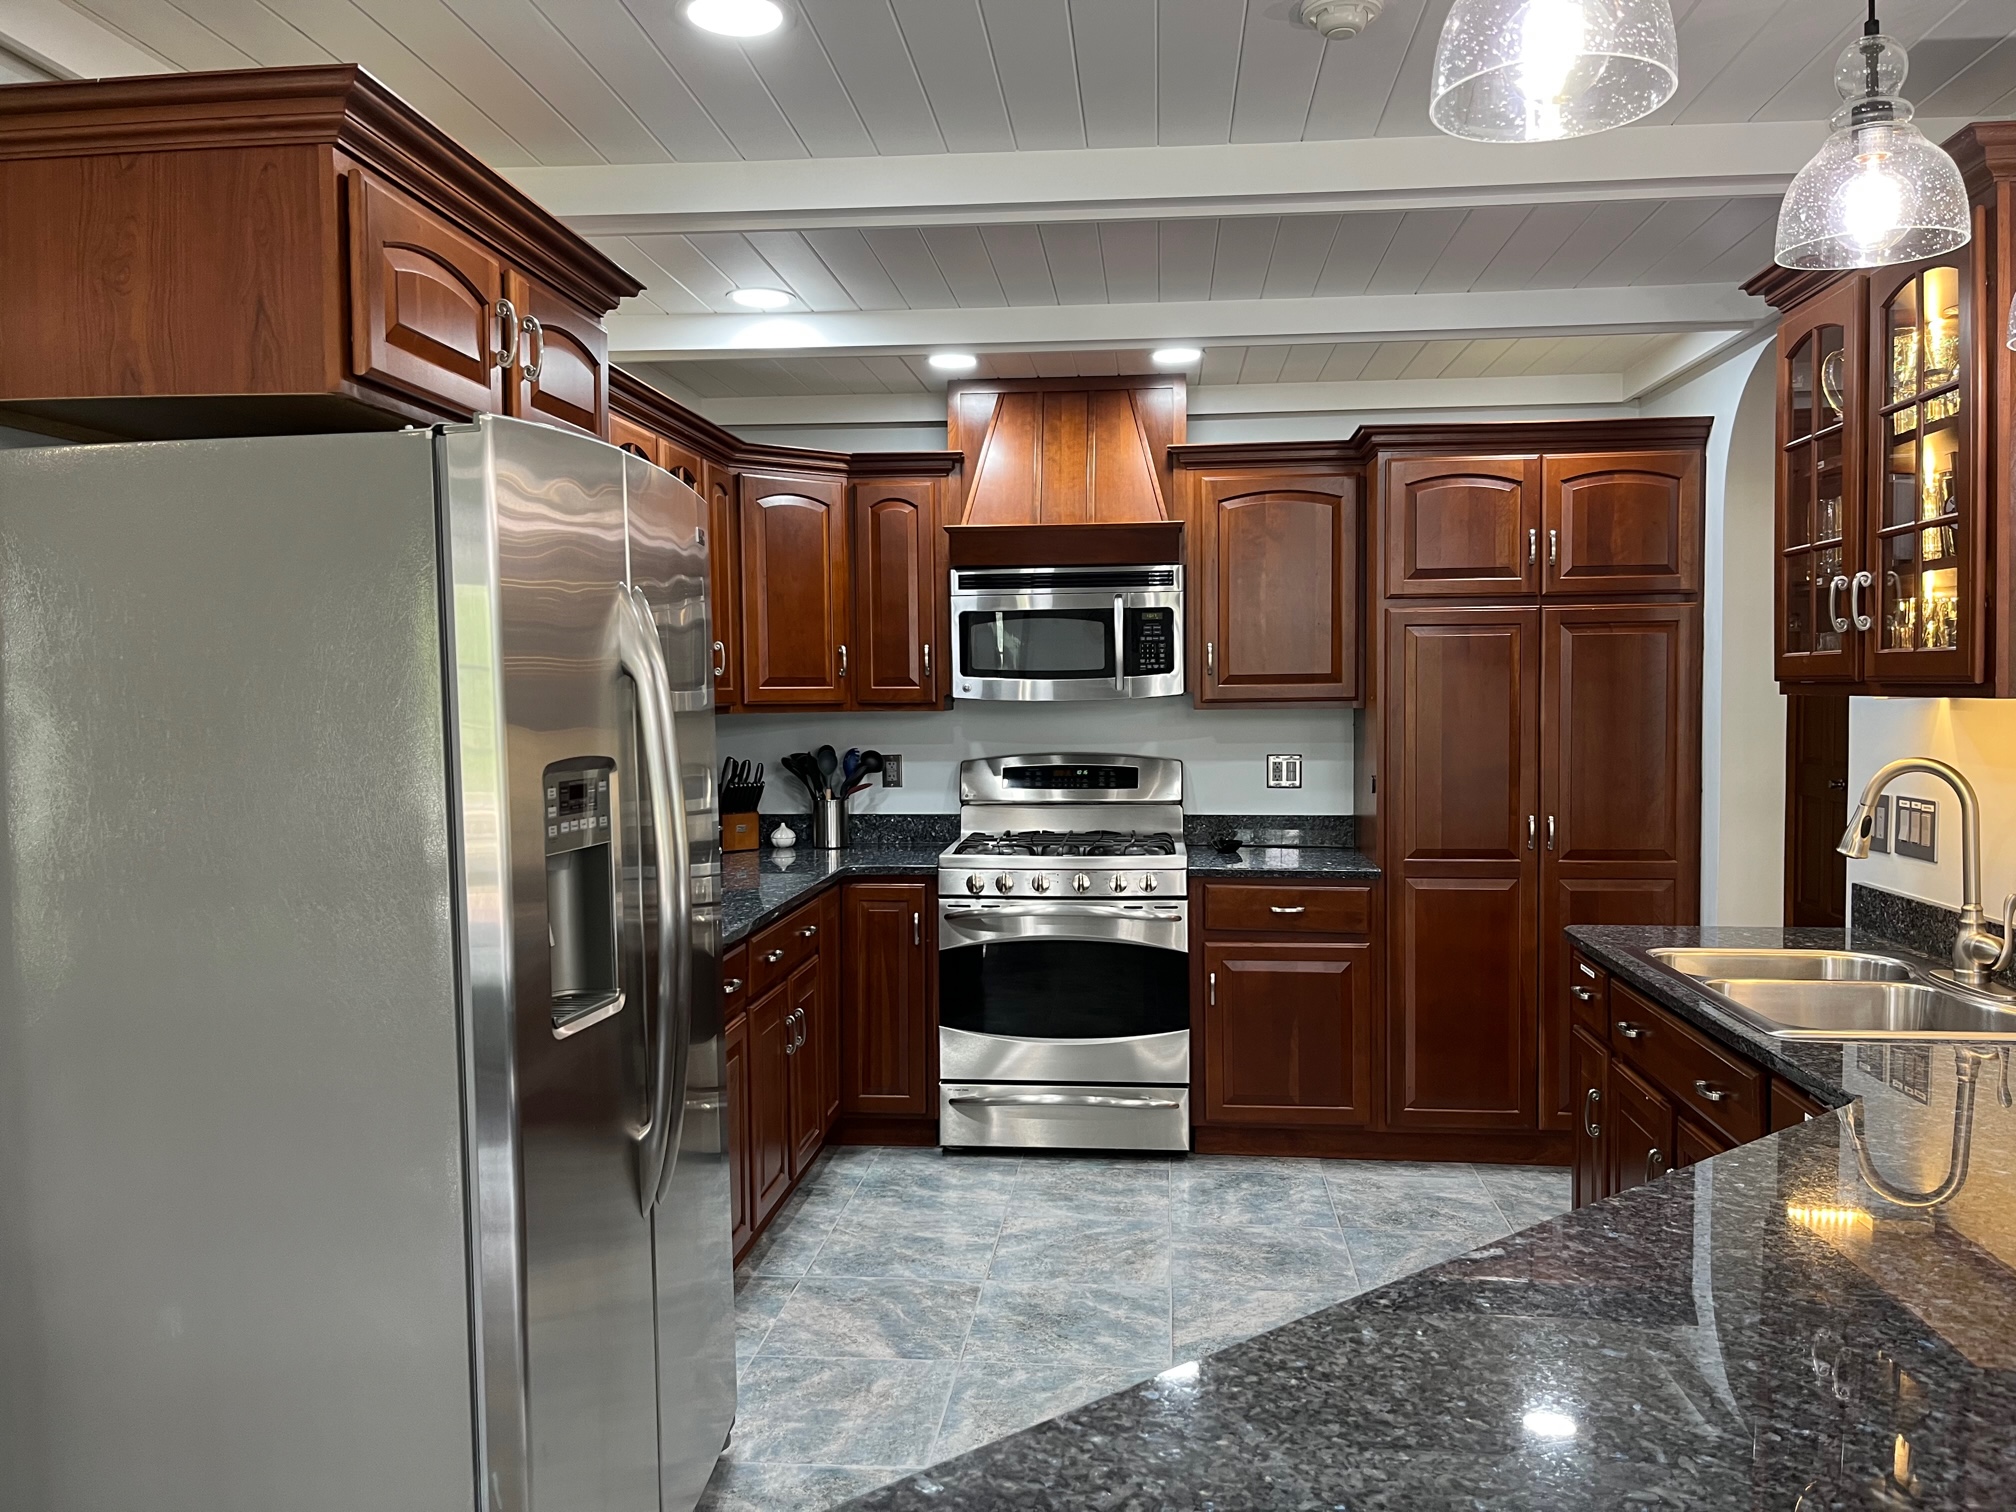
point(760, 299)
point(1830, 1219)
point(953, 362)
point(735, 18)
point(1175, 356)
point(1542, 1423)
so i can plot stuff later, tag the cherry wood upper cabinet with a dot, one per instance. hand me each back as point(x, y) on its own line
point(424, 303)
point(1288, 1033)
point(1623, 522)
point(638, 440)
point(1066, 451)
point(895, 570)
point(724, 581)
point(793, 539)
point(885, 1021)
point(1277, 588)
point(1462, 526)
point(562, 368)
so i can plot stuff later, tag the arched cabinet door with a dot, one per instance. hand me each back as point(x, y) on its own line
point(1278, 602)
point(1460, 527)
point(794, 602)
point(560, 375)
point(1623, 522)
point(895, 613)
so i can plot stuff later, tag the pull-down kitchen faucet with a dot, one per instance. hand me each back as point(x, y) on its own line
point(1977, 954)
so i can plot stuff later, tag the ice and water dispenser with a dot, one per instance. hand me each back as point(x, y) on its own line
point(581, 895)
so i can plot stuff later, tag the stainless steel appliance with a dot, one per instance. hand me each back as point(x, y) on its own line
point(1043, 634)
point(1063, 956)
point(361, 1135)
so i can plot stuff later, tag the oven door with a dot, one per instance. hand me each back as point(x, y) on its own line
point(1054, 646)
point(1064, 992)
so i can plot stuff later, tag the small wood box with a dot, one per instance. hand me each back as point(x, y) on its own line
point(741, 832)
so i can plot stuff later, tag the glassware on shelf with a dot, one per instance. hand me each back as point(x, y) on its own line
point(1829, 525)
point(1833, 380)
point(1942, 326)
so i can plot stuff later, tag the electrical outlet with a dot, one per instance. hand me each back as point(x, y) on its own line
point(1916, 828)
point(892, 771)
point(1284, 771)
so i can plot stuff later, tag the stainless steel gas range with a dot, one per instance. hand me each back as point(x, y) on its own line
point(1063, 956)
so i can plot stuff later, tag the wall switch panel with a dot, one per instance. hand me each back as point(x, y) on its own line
point(1915, 828)
point(1284, 771)
point(1879, 827)
point(892, 771)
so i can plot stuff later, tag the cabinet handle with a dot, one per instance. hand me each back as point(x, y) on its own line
point(732, 986)
point(1582, 993)
point(720, 660)
point(1214, 989)
point(1553, 546)
point(1712, 1093)
point(843, 659)
point(773, 956)
point(1861, 580)
point(1589, 1105)
point(1629, 1030)
point(916, 929)
point(1654, 1160)
point(535, 348)
point(927, 659)
point(1532, 830)
point(507, 317)
point(1834, 616)
point(1210, 658)
point(1279, 909)
point(1550, 832)
point(1532, 547)
point(1586, 970)
point(808, 931)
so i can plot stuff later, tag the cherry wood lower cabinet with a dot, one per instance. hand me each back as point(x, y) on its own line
point(735, 1087)
point(810, 1031)
point(1288, 1033)
point(769, 1102)
point(886, 1018)
point(1591, 1059)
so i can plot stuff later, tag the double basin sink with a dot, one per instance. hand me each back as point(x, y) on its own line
point(1841, 994)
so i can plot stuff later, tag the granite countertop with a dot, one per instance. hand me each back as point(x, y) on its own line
point(1765, 1330)
point(1306, 861)
point(760, 887)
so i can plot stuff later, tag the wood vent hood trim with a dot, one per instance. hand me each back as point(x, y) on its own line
point(1066, 451)
point(1113, 544)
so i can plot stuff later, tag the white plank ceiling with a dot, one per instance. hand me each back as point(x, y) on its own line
point(565, 82)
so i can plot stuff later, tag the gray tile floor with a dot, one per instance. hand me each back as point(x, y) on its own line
point(908, 1306)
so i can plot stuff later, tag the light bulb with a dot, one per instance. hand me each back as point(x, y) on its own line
point(1871, 206)
point(735, 18)
point(1550, 44)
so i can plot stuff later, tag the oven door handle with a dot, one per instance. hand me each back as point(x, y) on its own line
point(1064, 1100)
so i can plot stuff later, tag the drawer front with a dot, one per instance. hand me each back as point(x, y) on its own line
point(1721, 1089)
point(1287, 909)
point(734, 983)
point(782, 948)
point(1588, 996)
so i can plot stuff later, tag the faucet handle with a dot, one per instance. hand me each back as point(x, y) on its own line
point(2008, 950)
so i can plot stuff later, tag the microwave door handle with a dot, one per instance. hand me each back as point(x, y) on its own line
point(1120, 643)
point(642, 661)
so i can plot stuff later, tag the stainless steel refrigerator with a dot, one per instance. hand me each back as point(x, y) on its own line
point(362, 1123)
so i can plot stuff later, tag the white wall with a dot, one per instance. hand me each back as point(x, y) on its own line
point(1742, 712)
point(1223, 750)
point(1978, 736)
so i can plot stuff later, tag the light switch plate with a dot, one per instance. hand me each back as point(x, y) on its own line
point(1284, 771)
point(892, 771)
point(1915, 828)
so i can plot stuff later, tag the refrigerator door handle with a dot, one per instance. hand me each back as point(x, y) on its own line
point(643, 662)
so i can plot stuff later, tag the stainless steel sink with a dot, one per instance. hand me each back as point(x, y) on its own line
point(1783, 965)
point(1837, 1009)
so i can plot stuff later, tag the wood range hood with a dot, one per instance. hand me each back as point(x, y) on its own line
point(1066, 471)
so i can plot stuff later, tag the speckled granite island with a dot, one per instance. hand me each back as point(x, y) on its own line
point(1761, 1331)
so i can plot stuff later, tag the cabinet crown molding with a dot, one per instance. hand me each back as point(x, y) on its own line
point(338, 106)
point(1481, 438)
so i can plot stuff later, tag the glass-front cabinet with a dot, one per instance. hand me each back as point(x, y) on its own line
point(1880, 516)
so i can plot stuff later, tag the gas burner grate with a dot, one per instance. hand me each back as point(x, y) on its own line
point(1068, 843)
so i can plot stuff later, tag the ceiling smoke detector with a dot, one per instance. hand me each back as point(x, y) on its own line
point(1340, 20)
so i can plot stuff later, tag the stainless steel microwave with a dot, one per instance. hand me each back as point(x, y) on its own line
point(1046, 634)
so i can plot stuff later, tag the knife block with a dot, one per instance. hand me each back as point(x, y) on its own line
point(741, 832)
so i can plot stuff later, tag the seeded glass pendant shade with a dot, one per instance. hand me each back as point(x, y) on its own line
point(1538, 70)
point(1878, 192)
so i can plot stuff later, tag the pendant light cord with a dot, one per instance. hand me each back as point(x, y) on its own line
point(1870, 28)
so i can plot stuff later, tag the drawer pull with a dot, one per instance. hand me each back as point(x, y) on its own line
point(1586, 970)
point(1629, 1030)
point(1654, 1163)
point(1583, 993)
point(1713, 1093)
point(808, 931)
point(732, 986)
point(1589, 1125)
point(1297, 909)
point(773, 956)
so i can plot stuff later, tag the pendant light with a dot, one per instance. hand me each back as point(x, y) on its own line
point(1878, 192)
point(1538, 70)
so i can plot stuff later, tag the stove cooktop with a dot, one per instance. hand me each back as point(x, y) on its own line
point(1067, 844)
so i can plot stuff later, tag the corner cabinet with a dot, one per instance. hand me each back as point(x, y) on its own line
point(1893, 464)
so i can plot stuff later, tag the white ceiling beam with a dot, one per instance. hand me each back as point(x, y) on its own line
point(1355, 317)
point(1667, 361)
point(70, 44)
point(1132, 183)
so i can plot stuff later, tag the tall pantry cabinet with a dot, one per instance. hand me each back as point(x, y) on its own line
point(1531, 747)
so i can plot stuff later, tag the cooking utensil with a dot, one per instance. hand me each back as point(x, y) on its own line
point(829, 764)
point(870, 763)
point(806, 770)
point(850, 765)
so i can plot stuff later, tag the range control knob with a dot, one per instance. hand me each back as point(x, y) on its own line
point(1119, 883)
point(1148, 882)
point(1040, 882)
point(1004, 882)
point(1081, 883)
point(976, 883)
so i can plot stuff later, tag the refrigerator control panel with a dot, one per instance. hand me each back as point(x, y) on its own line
point(577, 808)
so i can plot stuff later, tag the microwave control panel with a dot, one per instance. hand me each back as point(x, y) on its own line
point(1151, 642)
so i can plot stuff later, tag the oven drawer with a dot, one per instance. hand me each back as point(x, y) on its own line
point(983, 1115)
point(781, 949)
point(966, 1056)
point(1287, 908)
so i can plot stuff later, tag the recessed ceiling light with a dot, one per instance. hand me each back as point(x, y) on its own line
point(1175, 356)
point(953, 362)
point(735, 18)
point(760, 299)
